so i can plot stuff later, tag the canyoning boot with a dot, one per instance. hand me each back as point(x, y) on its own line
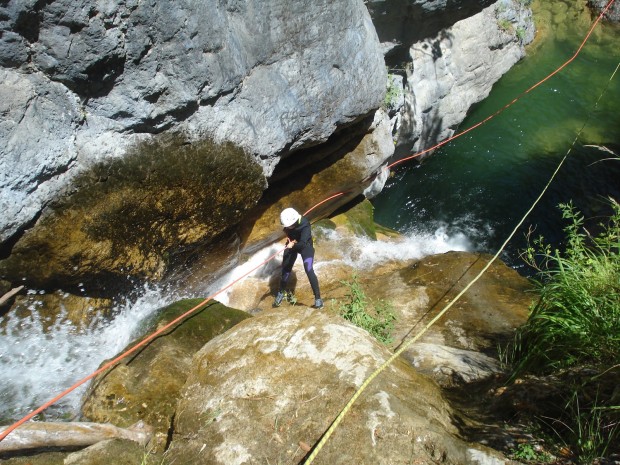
point(318, 303)
point(290, 297)
point(278, 300)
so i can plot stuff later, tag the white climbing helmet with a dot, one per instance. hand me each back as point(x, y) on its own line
point(289, 217)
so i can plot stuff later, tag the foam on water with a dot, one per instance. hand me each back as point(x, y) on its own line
point(38, 363)
point(254, 267)
point(363, 252)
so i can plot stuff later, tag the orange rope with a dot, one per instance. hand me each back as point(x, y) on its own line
point(505, 107)
point(145, 341)
point(149, 338)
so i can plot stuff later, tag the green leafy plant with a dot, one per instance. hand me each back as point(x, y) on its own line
point(392, 93)
point(505, 25)
point(526, 452)
point(577, 319)
point(378, 320)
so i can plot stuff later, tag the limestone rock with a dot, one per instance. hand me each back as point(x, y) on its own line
point(346, 177)
point(269, 388)
point(60, 307)
point(133, 218)
point(145, 386)
point(417, 286)
point(395, 20)
point(86, 81)
point(447, 73)
point(613, 14)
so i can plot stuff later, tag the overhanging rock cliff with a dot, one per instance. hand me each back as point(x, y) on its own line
point(136, 133)
point(107, 94)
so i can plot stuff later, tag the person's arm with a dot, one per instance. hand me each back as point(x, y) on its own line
point(305, 235)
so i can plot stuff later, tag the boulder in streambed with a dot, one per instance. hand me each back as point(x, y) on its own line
point(268, 389)
point(145, 385)
point(461, 346)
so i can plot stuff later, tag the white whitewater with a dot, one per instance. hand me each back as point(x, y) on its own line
point(38, 364)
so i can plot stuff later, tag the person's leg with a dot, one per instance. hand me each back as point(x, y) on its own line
point(308, 257)
point(288, 260)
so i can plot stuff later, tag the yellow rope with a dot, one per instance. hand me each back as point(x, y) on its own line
point(404, 347)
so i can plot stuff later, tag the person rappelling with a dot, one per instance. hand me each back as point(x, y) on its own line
point(298, 242)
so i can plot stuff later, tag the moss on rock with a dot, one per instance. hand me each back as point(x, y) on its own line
point(132, 216)
point(146, 385)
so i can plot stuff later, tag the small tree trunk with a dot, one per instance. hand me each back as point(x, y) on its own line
point(39, 434)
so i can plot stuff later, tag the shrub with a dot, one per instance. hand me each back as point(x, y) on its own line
point(378, 321)
point(392, 93)
point(572, 335)
point(577, 319)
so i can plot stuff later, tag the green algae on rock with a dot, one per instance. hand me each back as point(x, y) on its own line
point(132, 217)
point(146, 386)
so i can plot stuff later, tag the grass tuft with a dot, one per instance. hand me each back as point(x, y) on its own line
point(573, 334)
point(378, 320)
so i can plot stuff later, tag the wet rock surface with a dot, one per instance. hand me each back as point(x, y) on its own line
point(145, 386)
point(268, 386)
point(131, 219)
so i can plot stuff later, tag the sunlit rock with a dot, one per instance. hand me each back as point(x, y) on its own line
point(145, 386)
point(269, 388)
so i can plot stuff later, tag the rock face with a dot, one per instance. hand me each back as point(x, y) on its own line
point(450, 69)
point(134, 135)
point(401, 23)
point(612, 14)
point(145, 387)
point(86, 83)
point(269, 388)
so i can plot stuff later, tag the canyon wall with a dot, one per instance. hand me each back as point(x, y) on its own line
point(137, 134)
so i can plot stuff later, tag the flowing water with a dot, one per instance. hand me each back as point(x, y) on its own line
point(480, 184)
point(464, 197)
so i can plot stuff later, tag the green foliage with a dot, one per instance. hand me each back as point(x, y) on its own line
point(577, 319)
point(526, 452)
point(290, 297)
point(505, 25)
point(573, 333)
point(590, 434)
point(392, 93)
point(378, 321)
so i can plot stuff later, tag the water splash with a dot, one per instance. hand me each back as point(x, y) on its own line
point(361, 253)
point(38, 361)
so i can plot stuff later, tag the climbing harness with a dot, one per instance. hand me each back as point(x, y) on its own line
point(339, 418)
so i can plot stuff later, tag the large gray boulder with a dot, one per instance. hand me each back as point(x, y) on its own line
point(268, 389)
point(83, 81)
point(134, 131)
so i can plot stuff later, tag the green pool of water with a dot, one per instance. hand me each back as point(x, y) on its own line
point(481, 184)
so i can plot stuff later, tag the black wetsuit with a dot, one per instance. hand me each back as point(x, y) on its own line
point(300, 232)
